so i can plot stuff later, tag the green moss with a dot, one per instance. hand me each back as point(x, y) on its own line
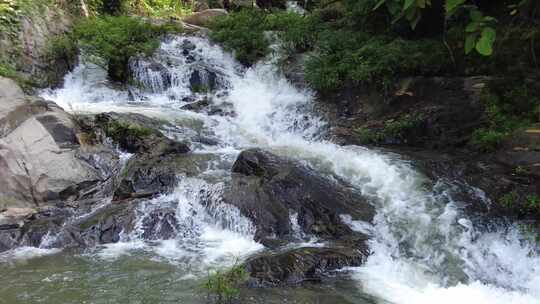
point(117, 130)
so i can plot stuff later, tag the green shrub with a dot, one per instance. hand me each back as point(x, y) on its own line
point(393, 130)
point(510, 105)
point(487, 140)
point(7, 71)
point(225, 285)
point(509, 199)
point(63, 47)
point(242, 32)
point(111, 41)
point(353, 58)
point(532, 202)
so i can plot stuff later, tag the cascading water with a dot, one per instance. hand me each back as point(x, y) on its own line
point(424, 249)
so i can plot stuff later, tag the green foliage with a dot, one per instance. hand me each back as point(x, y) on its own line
point(160, 8)
point(408, 9)
point(224, 285)
point(487, 140)
point(480, 34)
point(245, 33)
point(353, 58)
point(242, 33)
point(111, 41)
point(393, 130)
point(528, 204)
point(532, 202)
point(510, 105)
point(62, 47)
point(509, 199)
point(7, 71)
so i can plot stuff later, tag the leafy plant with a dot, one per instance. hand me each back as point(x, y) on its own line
point(242, 33)
point(509, 199)
point(224, 285)
point(62, 47)
point(409, 9)
point(480, 34)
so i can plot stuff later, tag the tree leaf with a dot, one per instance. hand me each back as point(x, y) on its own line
point(489, 33)
point(408, 3)
point(475, 15)
point(451, 5)
point(470, 42)
point(421, 3)
point(471, 27)
point(381, 2)
point(484, 46)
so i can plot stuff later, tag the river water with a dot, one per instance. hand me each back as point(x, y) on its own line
point(425, 249)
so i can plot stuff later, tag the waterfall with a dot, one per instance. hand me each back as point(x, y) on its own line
point(425, 250)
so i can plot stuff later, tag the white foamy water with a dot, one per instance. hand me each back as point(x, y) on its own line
point(424, 249)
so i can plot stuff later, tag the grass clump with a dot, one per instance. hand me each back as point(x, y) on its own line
point(510, 105)
point(111, 41)
point(526, 204)
point(224, 285)
point(394, 130)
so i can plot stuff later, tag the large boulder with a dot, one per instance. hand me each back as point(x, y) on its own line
point(41, 159)
point(279, 194)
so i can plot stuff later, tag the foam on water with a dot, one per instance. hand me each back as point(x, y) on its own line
point(424, 249)
point(26, 253)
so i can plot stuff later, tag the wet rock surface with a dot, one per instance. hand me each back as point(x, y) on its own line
point(271, 190)
point(287, 201)
point(300, 265)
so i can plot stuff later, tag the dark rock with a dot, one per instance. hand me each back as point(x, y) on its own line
point(300, 265)
point(428, 113)
point(145, 177)
point(203, 80)
point(148, 175)
point(136, 133)
point(188, 45)
point(160, 225)
point(197, 106)
point(269, 189)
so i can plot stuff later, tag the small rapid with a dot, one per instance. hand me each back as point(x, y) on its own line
point(424, 248)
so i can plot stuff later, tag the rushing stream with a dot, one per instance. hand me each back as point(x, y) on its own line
point(425, 250)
